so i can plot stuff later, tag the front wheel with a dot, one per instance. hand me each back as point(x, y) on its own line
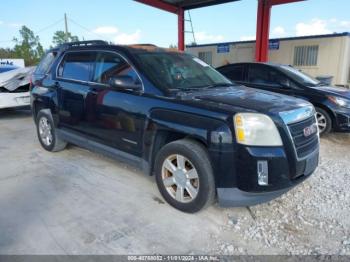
point(184, 175)
point(324, 121)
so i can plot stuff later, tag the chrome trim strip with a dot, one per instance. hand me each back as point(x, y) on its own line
point(297, 115)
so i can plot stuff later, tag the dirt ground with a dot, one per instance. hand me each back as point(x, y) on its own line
point(78, 202)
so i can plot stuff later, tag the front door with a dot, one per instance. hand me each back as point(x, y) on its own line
point(115, 113)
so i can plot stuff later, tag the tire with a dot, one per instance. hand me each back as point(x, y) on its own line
point(47, 134)
point(189, 160)
point(324, 121)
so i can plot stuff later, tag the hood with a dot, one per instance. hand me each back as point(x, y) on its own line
point(331, 90)
point(249, 99)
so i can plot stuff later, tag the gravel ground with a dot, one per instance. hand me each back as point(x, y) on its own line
point(311, 219)
point(77, 202)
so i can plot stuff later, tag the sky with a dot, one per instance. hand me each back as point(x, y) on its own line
point(128, 22)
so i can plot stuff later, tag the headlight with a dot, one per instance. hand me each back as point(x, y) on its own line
point(256, 129)
point(343, 102)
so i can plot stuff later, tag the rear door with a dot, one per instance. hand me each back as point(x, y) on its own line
point(73, 76)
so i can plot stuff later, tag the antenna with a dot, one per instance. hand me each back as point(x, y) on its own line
point(189, 20)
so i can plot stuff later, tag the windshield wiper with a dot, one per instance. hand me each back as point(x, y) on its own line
point(218, 85)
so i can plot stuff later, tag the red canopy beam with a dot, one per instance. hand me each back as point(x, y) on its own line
point(175, 10)
point(160, 5)
point(263, 27)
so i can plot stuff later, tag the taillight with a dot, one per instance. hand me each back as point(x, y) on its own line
point(31, 83)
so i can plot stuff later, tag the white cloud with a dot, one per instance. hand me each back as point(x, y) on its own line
point(345, 24)
point(205, 37)
point(278, 31)
point(314, 27)
point(127, 39)
point(247, 38)
point(106, 30)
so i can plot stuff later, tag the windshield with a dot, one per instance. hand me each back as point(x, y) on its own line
point(299, 76)
point(180, 71)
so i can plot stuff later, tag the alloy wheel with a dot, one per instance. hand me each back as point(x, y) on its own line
point(321, 122)
point(180, 178)
point(45, 131)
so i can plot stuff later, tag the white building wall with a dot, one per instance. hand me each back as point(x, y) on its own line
point(333, 55)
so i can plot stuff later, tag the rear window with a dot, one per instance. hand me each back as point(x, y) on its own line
point(235, 73)
point(76, 66)
point(45, 63)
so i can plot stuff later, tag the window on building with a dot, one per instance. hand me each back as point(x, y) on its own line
point(306, 55)
point(206, 57)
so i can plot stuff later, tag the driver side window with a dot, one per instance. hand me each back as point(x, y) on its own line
point(110, 65)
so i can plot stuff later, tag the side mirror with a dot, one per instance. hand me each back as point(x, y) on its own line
point(124, 82)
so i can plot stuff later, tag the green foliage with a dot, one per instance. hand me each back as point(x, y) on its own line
point(61, 37)
point(28, 47)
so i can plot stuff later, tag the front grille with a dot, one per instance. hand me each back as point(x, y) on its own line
point(304, 145)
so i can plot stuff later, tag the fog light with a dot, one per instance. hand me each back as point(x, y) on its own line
point(263, 173)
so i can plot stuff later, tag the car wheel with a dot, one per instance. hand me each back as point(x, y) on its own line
point(184, 175)
point(46, 133)
point(324, 121)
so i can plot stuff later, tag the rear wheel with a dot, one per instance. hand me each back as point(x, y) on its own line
point(184, 175)
point(324, 121)
point(47, 133)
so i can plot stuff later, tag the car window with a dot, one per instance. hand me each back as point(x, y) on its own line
point(45, 63)
point(265, 76)
point(76, 66)
point(235, 73)
point(172, 70)
point(111, 65)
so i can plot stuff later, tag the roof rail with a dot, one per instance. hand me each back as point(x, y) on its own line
point(83, 43)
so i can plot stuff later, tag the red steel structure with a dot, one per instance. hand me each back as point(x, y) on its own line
point(178, 7)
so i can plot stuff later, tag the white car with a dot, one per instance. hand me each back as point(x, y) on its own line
point(14, 87)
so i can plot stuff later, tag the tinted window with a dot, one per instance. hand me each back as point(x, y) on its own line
point(45, 63)
point(235, 73)
point(263, 75)
point(172, 70)
point(111, 65)
point(76, 66)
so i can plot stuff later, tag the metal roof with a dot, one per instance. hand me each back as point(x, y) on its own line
point(191, 4)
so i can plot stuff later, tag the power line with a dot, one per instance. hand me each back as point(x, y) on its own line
point(38, 31)
point(86, 29)
point(49, 26)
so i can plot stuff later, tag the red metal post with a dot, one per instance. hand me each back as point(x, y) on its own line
point(262, 31)
point(181, 29)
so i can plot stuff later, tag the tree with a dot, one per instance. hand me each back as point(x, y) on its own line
point(28, 46)
point(61, 37)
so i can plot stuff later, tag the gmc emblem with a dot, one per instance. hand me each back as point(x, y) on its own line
point(308, 131)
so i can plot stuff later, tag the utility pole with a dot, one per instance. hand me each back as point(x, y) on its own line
point(66, 27)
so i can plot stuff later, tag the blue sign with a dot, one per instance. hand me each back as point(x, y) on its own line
point(223, 48)
point(274, 44)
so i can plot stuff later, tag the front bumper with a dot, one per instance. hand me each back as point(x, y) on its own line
point(10, 100)
point(342, 120)
point(282, 177)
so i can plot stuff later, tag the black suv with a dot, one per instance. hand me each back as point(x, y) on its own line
point(174, 116)
point(332, 104)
